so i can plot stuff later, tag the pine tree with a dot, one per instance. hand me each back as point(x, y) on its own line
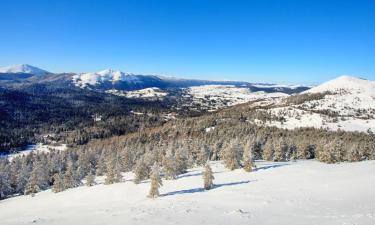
point(23, 177)
point(181, 161)
point(70, 180)
point(231, 156)
point(248, 161)
point(156, 182)
point(268, 150)
point(169, 166)
point(58, 184)
point(90, 179)
point(140, 171)
point(5, 181)
point(208, 177)
point(33, 186)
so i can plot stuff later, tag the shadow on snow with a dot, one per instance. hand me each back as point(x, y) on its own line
point(269, 167)
point(195, 190)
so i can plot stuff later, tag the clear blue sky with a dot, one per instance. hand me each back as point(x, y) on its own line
point(262, 40)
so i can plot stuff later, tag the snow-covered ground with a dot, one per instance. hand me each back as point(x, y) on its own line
point(220, 96)
point(347, 103)
point(296, 118)
point(37, 148)
point(293, 193)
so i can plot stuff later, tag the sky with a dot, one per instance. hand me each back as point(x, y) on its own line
point(305, 42)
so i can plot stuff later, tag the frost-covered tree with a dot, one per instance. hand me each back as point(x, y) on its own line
point(248, 160)
point(170, 166)
point(113, 174)
point(70, 179)
point(101, 165)
point(140, 171)
point(58, 183)
point(232, 156)
point(268, 150)
point(5, 181)
point(23, 177)
point(208, 177)
point(90, 179)
point(156, 181)
point(181, 160)
point(203, 155)
point(33, 184)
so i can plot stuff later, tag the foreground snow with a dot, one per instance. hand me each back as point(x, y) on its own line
point(305, 192)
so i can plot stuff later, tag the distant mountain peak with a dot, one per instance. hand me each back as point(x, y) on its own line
point(347, 83)
point(23, 68)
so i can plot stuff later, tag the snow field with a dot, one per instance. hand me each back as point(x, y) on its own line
point(303, 192)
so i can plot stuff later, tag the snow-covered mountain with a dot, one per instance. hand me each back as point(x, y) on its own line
point(23, 68)
point(346, 83)
point(108, 75)
point(346, 103)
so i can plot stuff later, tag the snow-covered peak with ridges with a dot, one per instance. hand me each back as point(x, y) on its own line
point(23, 68)
point(107, 75)
point(346, 83)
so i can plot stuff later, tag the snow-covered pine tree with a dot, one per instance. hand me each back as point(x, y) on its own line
point(140, 171)
point(181, 160)
point(101, 164)
point(58, 183)
point(156, 181)
point(5, 180)
point(247, 158)
point(268, 150)
point(70, 180)
point(90, 179)
point(32, 186)
point(232, 155)
point(208, 177)
point(169, 165)
point(203, 155)
point(280, 148)
point(23, 177)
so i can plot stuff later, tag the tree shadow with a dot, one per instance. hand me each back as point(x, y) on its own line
point(196, 190)
point(193, 174)
point(269, 167)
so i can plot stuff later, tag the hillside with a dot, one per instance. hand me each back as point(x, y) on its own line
point(345, 103)
point(295, 193)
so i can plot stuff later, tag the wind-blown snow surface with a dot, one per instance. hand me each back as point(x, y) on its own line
point(23, 68)
point(293, 193)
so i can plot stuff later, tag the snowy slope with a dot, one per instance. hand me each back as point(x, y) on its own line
point(293, 193)
point(146, 93)
point(23, 68)
point(346, 103)
point(349, 95)
point(219, 96)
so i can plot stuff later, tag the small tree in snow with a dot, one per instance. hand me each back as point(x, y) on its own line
point(90, 179)
point(231, 156)
point(170, 166)
point(248, 161)
point(58, 184)
point(208, 177)
point(156, 182)
point(140, 171)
